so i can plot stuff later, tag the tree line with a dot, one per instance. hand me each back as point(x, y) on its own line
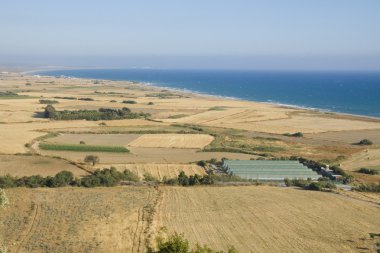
point(101, 114)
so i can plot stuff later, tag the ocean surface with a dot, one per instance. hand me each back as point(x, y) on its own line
point(344, 92)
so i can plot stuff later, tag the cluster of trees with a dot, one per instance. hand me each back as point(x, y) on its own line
point(105, 177)
point(308, 184)
point(368, 187)
point(179, 244)
point(368, 171)
point(61, 179)
point(192, 180)
point(101, 114)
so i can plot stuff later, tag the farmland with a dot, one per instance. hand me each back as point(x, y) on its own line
point(83, 148)
point(124, 219)
point(172, 141)
point(182, 130)
point(159, 171)
point(269, 219)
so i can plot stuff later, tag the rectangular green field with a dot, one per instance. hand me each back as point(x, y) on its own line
point(83, 148)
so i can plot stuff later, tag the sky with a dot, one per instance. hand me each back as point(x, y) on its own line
point(235, 34)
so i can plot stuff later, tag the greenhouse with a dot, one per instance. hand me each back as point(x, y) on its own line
point(272, 170)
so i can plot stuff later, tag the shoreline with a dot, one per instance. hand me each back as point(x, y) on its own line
point(206, 95)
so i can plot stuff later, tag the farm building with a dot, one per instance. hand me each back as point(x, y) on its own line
point(269, 170)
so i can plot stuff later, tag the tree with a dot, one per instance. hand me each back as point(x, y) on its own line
point(49, 112)
point(91, 158)
point(176, 243)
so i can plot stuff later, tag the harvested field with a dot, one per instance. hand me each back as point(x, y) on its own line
point(172, 141)
point(95, 139)
point(33, 165)
point(270, 219)
point(348, 136)
point(149, 155)
point(160, 171)
point(76, 219)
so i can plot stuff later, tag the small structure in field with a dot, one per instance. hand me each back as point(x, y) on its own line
point(269, 170)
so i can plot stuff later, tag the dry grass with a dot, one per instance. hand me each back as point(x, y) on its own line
point(94, 139)
point(172, 141)
point(76, 219)
point(33, 165)
point(268, 219)
point(150, 155)
point(159, 171)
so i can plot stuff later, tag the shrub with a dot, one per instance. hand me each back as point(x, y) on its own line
point(177, 243)
point(149, 177)
point(365, 142)
point(129, 102)
point(201, 163)
point(368, 171)
point(298, 134)
point(86, 99)
point(368, 188)
point(48, 102)
point(61, 179)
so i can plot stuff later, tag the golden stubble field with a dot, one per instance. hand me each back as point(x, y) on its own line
point(270, 219)
point(126, 219)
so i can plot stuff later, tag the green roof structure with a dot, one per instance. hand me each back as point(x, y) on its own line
point(272, 170)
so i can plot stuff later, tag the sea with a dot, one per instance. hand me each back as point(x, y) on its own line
point(355, 93)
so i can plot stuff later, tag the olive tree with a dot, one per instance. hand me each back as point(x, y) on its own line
point(92, 158)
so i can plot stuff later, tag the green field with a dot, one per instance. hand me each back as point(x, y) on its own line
point(83, 148)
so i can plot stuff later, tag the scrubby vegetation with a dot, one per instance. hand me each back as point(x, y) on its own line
point(86, 99)
point(364, 142)
point(101, 114)
point(129, 102)
point(48, 101)
point(217, 108)
point(11, 95)
point(105, 177)
point(298, 134)
point(68, 98)
point(323, 185)
point(177, 243)
point(368, 171)
point(368, 187)
point(83, 148)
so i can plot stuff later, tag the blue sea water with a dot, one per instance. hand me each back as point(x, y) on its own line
point(344, 92)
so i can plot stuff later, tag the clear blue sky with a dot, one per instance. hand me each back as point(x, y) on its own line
point(269, 34)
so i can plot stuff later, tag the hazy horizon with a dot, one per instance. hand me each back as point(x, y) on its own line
point(278, 35)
